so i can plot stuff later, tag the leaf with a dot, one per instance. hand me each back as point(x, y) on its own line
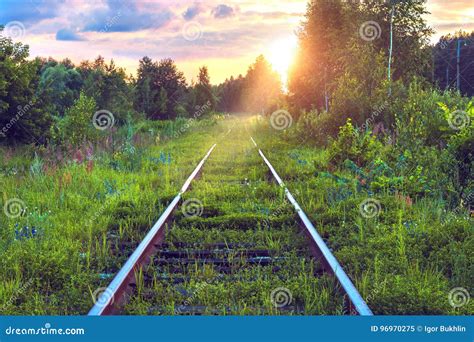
point(443, 107)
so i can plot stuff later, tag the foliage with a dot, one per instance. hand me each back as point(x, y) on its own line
point(159, 88)
point(61, 85)
point(23, 115)
point(314, 127)
point(360, 147)
point(203, 90)
point(257, 92)
point(108, 85)
point(76, 126)
point(262, 87)
point(361, 88)
point(332, 28)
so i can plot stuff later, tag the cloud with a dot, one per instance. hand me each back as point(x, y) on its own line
point(68, 35)
point(273, 14)
point(191, 12)
point(29, 12)
point(222, 11)
point(126, 17)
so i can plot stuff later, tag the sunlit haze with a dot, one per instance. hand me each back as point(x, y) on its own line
point(281, 54)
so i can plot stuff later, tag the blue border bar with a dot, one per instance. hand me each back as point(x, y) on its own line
point(242, 329)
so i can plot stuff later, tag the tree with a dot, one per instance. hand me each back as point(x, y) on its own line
point(322, 38)
point(159, 88)
point(203, 89)
point(61, 85)
point(360, 90)
point(172, 80)
point(229, 94)
point(411, 35)
point(163, 101)
point(23, 117)
point(76, 126)
point(144, 99)
point(262, 86)
point(109, 86)
point(332, 29)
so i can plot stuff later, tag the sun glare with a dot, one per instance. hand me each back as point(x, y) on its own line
point(281, 54)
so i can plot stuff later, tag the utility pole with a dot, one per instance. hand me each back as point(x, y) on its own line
point(392, 12)
point(392, 15)
point(458, 59)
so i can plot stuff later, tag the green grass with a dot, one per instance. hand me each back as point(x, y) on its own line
point(239, 207)
point(405, 260)
point(79, 214)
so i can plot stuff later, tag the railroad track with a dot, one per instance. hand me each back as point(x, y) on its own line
point(237, 242)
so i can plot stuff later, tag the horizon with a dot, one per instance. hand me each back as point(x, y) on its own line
point(225, 37)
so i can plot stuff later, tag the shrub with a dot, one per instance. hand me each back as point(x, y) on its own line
point(421, 118)
point(76, 126)
point(315, 127)
point(360, 147)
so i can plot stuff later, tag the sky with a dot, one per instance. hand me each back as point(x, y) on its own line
point(225, 36)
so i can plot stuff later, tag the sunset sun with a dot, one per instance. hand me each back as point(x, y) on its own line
point(281, 55)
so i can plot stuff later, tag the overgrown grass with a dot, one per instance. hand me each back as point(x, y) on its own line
point(406, 258)
point(57, 250)
point(242, 212)
point(82, 220)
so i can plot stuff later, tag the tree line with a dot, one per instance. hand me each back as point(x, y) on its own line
point(40, 96)
point(341, 65)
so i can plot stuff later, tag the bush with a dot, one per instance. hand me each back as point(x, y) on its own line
point(359, 147)
point(422, 117)
point(316, 127)
point(76, 126)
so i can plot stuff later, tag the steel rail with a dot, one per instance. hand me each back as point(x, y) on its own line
point(112, 296)
point(354, 296)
